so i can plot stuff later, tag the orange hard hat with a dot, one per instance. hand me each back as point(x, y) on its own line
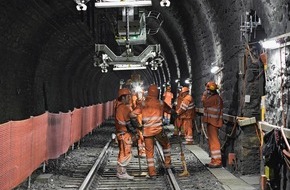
point(153, 91)
point(123, 91)
point(184, 89)
point(211, 85)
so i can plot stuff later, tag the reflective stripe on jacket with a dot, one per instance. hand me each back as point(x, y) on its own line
point(186, 109)
point(152, 112)
point(213, 113)
point(122, 117)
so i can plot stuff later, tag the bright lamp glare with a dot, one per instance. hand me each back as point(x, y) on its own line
point(214, 69)
point(138, 89)
point(272, 44)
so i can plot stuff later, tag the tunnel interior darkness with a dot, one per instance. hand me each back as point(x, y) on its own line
point(48, 49)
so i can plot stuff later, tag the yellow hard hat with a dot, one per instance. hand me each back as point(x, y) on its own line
point(211, 85)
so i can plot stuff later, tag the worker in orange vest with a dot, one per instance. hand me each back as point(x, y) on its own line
point(178, 129)
point(124, 132)
point(136, 99)
point(213, 119)
point(152, 111)
point(186, 113)
point(167, 98)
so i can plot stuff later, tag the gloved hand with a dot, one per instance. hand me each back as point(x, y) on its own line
point(135, 123)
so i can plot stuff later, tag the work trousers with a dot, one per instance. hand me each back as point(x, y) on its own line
point(149, 148)
point(214, 144)
point(125, 148)
point(141, 144)
point(188, 131)
point(178, 127)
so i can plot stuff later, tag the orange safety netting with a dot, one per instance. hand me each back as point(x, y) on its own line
point(66, 127)
point(7, 169)
point(94, 114)
point(21, 152)
point(85, 124)
point(76, 125)
point(25, 144)
point(99, 113)
point(56, 136)
point(39, 139)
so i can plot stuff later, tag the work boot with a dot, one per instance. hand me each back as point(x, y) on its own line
point(125, 176)
point(153, 177)
point(188, 143)
point(214, 164)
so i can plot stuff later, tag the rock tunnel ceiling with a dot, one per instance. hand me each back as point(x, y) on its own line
point(48, 50)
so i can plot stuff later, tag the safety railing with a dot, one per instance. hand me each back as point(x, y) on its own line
point(226, 117)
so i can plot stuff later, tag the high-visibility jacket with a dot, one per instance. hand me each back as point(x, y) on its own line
point(122, 117)
point(133, 101)
point(152, 113)
point(167, 98)
point(185, 108)
point(213, 110)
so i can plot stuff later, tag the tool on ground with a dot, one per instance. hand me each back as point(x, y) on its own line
point(139, 161)
point(140, 173)
point(185, 173)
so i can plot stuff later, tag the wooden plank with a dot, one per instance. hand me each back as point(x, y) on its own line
point(268, 127)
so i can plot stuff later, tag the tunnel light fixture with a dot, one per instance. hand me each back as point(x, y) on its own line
point(128, 67)
point(216, 68)
point(270, 44)
point(118, 3)
point(188, 81)
point(81, 5)
point(276, 42)
point(177, 80)
point(164, 3)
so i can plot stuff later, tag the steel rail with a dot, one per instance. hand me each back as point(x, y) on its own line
point(170, 174)
point(95, 167)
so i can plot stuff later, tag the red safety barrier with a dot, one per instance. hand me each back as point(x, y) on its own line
point(25, 144)
point(66, 127)
point(94, 116)
point(107, 110)
point(7, 170)
point(56, 136)
point(85, 123)
point(91, 120)
point(21, 152)
point(39, 140)
point(76, 125)
point(99, 113)
point(112, 108)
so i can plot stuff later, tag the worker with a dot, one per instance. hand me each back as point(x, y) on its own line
point(178, 128)
point(137, 99)
point(152, 111)
point(213, 120)
point(124, 132)
point(167, 98)
point(186, 113)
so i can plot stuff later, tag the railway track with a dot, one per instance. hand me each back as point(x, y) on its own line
point(103, 173)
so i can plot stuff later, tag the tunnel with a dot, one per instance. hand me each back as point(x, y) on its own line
point(50, 56)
